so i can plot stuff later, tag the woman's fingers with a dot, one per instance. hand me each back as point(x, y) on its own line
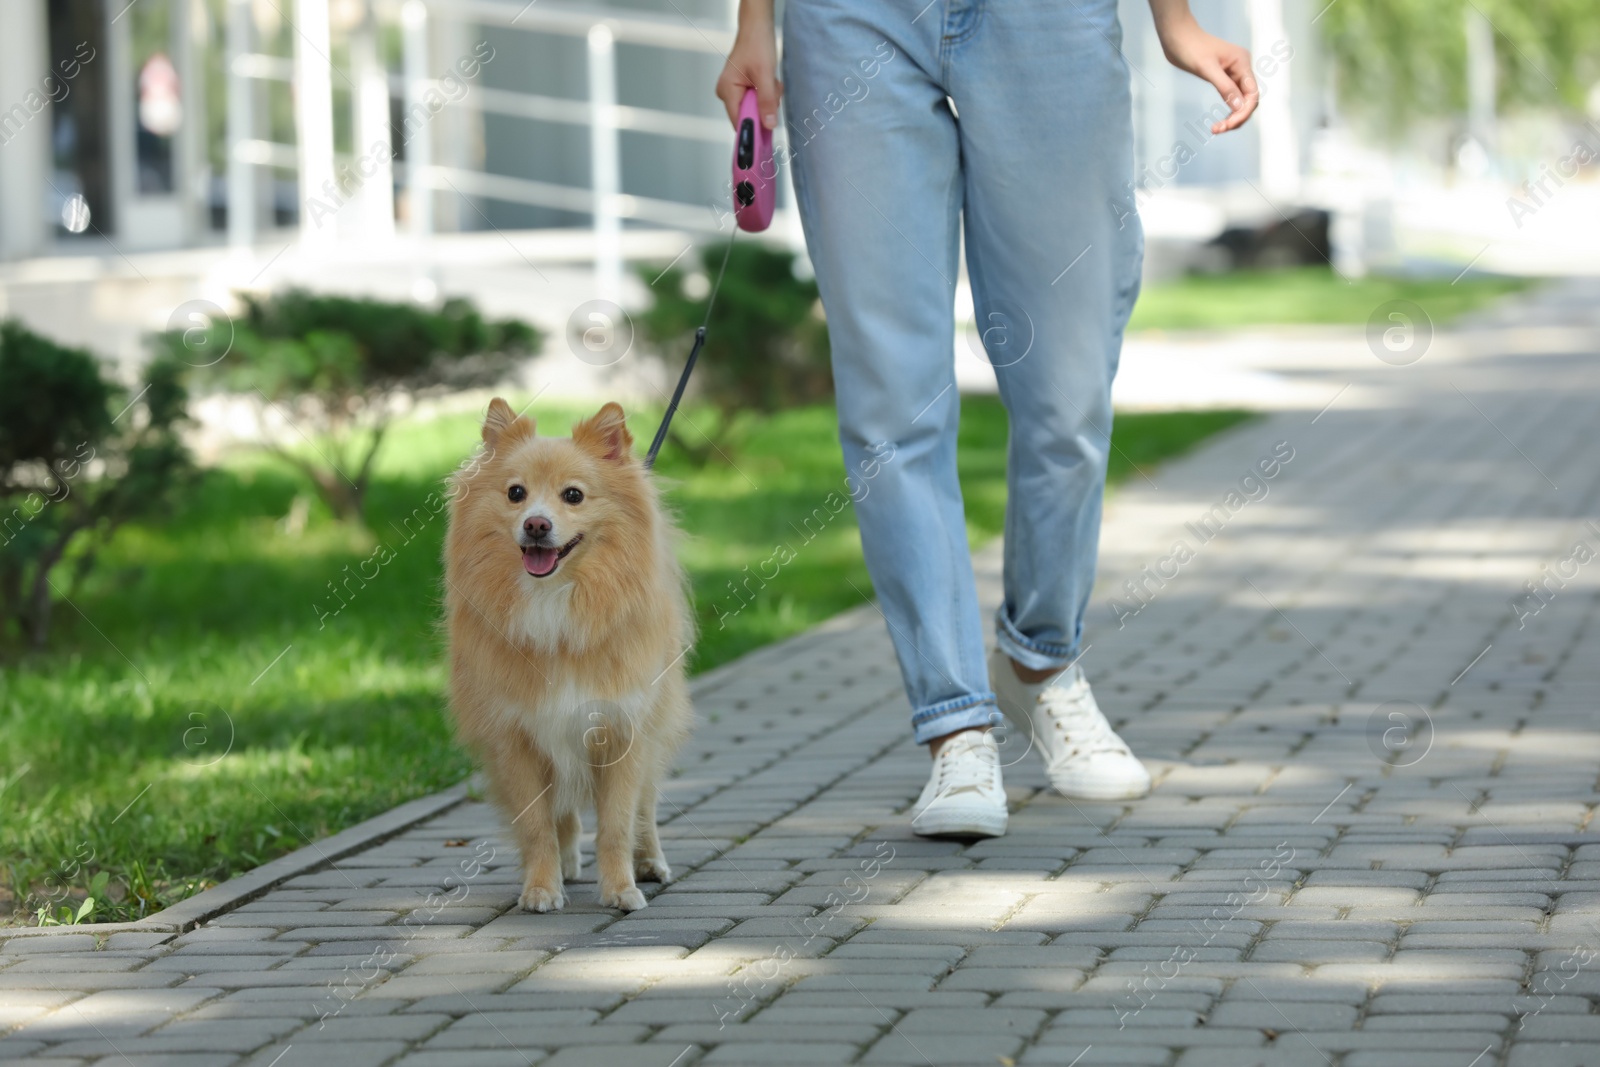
point(752, 64)
point(1237, 66)
point(730, 90)
point(737, 78)
point(1226, 66)
point(769, 90)
point(1236, 86)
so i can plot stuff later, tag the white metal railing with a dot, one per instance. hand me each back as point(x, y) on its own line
point(423, 174)
point(245, 151)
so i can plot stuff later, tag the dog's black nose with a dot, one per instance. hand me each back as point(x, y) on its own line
point(536, 526)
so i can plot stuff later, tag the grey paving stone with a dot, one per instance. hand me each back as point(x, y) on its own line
point(408, 1027)
point(381, 947)
point(302, 978)
point(961, 938)
point(404, 934)
point(874, 984)
point(623, 986)
point(1424, 1021)
point(243, 1005)
point(947, 1049)
point(363, 964)
point(114, 1013)
point(1361, 896)
point(55, 942)
point(166, 1059)
point(353, 1053)
point(507, 1057)
point(1411, 1057)
point(171, 1040)
point(662, 1011)
point(1163, 951)
point(517, 924)
point(753, 1031)
point(650, 1054)
point(1068, 1056)
point(408, 987)
point(532, 1036)
point(458, 963)
point(1543, 1054)
point(1543, 1025)
point(13, 981)
point(1270, 1014)
point(1313, 953)
point(191, 963)
point(78, 963)
point(1337, 930)
point(807, 994)
point(206, 934)
point(792, 1010)
point(492, 1004)
point(229, 1032)
point(811, 1053)
point(236, 948)
point(1287, 1051)
point(291, 916)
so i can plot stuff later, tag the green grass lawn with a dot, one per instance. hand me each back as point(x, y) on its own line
point(193, 719)
point(1304, 295)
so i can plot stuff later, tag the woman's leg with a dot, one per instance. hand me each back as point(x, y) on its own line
point(877, 172)
point(1054, 251)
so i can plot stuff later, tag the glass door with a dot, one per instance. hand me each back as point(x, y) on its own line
point(79, 183)
point(150, 184)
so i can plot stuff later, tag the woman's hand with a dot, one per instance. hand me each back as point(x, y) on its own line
point(752, 64)
point(1226, 66)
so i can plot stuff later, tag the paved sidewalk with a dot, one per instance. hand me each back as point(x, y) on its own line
point(1368, 844)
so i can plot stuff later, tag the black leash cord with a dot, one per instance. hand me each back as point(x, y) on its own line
point(688, 367)
point(677, 395)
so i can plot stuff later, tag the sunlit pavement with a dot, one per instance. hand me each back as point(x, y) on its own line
point(1368, 842)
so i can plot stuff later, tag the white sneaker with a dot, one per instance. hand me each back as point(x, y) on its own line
point(1082, 754)
point(963, 797)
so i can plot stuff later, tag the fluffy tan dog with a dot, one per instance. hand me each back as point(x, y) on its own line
point(568, 620)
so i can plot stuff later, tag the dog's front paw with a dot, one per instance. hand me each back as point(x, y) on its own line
point(541, 899)
point(571, 864)
point(629, 899)
point(652, 869)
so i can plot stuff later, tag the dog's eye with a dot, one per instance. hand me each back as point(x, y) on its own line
point(516, 494)
point(572, 495)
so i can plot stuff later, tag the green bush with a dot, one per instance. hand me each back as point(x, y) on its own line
point(77, 459)
point(333, 365)
point(766, 345)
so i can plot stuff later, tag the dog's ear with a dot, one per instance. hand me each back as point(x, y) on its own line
point(606, 434)
point(502, 426)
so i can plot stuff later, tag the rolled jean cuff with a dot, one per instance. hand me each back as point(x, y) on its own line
point(1035, 655)
point(947, 717)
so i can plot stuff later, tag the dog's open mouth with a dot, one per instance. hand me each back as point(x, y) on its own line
point(540, 561)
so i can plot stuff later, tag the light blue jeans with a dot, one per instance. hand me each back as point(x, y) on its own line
point(1036, 159)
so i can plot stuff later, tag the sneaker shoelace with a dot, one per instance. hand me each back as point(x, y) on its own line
point(1080, 724)
point(965, 765)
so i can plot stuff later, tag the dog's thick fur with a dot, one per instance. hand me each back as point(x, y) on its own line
point(570, 686)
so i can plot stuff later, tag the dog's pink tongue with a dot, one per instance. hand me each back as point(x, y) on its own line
point(539, 561)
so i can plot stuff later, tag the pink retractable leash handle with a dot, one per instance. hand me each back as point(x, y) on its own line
point(755, 183)
point(755, 179)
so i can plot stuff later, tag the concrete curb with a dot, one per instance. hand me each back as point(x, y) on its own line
point(187, 914)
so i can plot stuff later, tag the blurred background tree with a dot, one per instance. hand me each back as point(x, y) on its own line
point(78, 458)
point(334, 367)
point(766, 345)
point(1398, 60)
